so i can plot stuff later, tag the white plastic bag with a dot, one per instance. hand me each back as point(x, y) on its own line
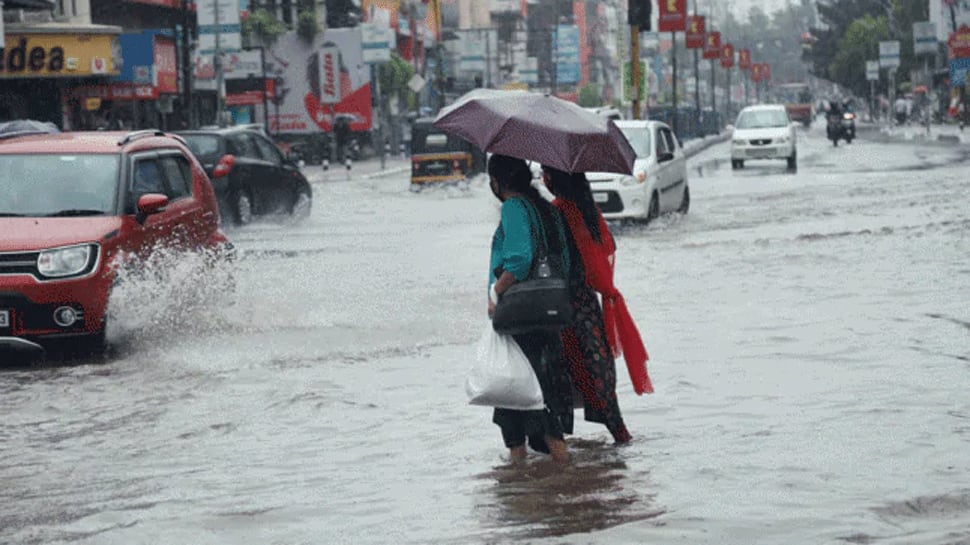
point(502, 376)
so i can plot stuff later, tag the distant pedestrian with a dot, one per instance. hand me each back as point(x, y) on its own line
point(513, 249)
point(900, 108)
point(597, 334)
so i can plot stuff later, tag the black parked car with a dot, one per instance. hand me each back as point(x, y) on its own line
point(250, 174)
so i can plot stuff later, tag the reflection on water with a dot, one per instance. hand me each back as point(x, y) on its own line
point(539, 498)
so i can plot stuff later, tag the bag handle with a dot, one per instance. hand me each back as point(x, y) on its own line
point(542, 250)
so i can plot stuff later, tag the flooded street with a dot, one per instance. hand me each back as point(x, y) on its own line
point(809, 338)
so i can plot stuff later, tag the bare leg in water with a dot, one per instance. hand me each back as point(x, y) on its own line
point(558, 450)
point(518, 453)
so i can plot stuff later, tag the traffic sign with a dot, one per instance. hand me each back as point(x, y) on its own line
point(889, 54)
point(872, 70)
point(924, 38)
point(375, 42)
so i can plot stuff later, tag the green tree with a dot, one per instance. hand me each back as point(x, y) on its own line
point(262, 27)
point(859, 44)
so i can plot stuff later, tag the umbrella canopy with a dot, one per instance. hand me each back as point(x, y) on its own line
point(539, 128)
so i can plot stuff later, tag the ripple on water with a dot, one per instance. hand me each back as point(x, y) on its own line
point(539, 498)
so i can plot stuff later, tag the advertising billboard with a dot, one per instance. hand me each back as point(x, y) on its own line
point(300, 102)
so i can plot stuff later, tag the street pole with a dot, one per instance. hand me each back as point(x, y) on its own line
point(635, 68)
point(262, 62)
point(555, 51)
point(713, 88)
point(673, 53)
point(929, 83)
point(727, 109)
point(488, 58)
point(220, 77)
point(379, 145)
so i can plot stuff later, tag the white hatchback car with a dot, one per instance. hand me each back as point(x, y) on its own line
point(659, 181)
point(764, 132)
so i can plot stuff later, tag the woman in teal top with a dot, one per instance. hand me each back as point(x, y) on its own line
point(513, 248)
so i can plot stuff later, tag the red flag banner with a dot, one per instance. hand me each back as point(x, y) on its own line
point(766, 71)
point(712, 45)
point(744, 59)
point(727, 56)
point(673, 16)
point(959, 43)
point(695, 32)
point(755, 72)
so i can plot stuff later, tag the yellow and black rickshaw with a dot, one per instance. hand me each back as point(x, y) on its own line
point(438, 157)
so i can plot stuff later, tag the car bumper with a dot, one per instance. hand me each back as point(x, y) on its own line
point(618, 201)
point(770, 151)
point(28, 307)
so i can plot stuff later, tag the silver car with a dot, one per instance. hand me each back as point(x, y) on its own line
point(658, 184)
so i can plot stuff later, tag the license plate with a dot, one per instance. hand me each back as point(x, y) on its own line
point(761, 153)
point(601, 197)
point(4, 318)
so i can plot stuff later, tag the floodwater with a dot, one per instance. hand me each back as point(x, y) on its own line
point(810, 347)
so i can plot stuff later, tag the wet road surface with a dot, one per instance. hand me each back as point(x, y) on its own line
point(809, 339)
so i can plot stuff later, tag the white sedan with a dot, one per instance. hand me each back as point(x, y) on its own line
point(764, 132)
point(659, 181)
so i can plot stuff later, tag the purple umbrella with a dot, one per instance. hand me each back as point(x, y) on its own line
point(540, 128)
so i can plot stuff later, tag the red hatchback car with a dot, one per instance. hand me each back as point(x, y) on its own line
point(71, 204)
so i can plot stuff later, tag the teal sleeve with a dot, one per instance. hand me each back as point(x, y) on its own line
point(517, 248)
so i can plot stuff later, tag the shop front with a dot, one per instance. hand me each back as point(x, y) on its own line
point(141, 95)
point(40, 63)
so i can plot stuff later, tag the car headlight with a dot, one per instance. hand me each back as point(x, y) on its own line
point(783, 139)
point(738, 142)
point(67, 261)
point(628, 180)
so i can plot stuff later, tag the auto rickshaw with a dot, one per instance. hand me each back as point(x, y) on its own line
point(438, 157)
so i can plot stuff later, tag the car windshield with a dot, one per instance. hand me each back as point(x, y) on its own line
point(762, 119)
point(204, 146)
point(639, 139)
point(58, 185)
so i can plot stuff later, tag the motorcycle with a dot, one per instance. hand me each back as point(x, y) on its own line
point(840, 127)
point(848, 126)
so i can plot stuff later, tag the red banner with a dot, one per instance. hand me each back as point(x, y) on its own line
point(673, 16)
point(712, 45)
point(116, 91)
point(760, 72)
point(959, 43)
point(695, 32)
point(166, 66)
point(727, 56)
point(744, 59)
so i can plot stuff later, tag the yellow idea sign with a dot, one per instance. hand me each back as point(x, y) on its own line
point(59, 55)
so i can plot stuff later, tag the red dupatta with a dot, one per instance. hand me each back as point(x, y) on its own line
point(598, 260)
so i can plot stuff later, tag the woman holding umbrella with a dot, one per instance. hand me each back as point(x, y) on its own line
point(597, 335)
point(513, 249)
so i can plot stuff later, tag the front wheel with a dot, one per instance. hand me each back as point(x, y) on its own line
point(302, 204)
point(685, 201)
point(653, 211)
point(242, 208)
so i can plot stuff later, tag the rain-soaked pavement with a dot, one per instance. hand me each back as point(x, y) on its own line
point(810, 346)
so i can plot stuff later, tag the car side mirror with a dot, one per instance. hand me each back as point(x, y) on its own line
point(665, 156)
point(150, 203)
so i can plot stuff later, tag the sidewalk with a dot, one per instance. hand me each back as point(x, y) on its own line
point(697, 145)
point(365, 169)
point(371, 168)
point(943, 134)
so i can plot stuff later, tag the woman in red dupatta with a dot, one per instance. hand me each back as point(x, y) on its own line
point(598, 335)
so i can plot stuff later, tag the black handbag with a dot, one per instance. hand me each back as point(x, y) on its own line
point(542, 302)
